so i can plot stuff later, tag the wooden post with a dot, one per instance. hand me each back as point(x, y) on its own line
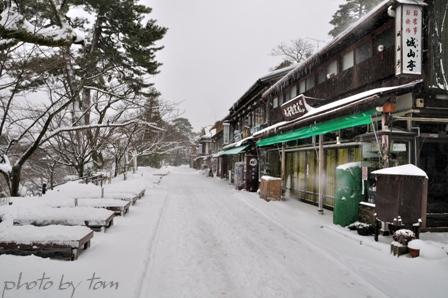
point(321, 174)
point(283, 168)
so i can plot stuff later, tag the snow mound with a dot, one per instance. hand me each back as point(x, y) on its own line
point(74, 189)
point(427, 250)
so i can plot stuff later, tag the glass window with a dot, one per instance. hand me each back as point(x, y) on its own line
point(310, 82)
point(275, 102)
point(302, 87)
point(348, 60)
point(293, 92)
point(286, 95)
point(363, 53)
point(322, 76)
point(386, 39)
point(332, 69)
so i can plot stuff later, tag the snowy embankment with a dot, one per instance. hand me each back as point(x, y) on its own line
point(193, 236)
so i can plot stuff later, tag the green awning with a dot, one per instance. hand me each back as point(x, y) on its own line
point(233, 151)
point(319, 128)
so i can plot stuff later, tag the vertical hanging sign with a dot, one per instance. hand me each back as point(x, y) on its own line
point(408, 40)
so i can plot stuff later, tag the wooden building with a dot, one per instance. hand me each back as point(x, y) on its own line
point(377, 94)
point(248, 115)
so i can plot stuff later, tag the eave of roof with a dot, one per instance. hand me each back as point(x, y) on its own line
point(328, 111)
point(261, 83)
point(284, 82)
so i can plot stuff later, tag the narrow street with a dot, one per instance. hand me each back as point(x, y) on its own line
point(213, 241)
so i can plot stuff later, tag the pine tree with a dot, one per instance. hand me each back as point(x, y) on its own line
point(348, 13)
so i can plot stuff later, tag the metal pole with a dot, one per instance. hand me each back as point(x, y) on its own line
point(321, 174)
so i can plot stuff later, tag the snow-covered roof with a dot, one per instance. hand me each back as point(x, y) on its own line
point(269, 128)
point(271, 75)
point(338, 104)
point(405, 170)
point(239, 143)
point(283, 82)
point(347, 100)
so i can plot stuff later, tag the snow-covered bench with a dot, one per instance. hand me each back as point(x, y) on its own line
point(119, 207)
point(127, 197)
point(50, 241)
point(95, 218)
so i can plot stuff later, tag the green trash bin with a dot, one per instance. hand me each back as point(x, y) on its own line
point(348, 193)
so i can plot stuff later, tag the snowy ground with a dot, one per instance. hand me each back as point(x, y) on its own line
point(194, 236)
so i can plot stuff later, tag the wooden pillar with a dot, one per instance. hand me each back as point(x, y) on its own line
point(283, 167)
point(321, 174)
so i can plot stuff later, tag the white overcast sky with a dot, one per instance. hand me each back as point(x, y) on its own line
point(216, 49)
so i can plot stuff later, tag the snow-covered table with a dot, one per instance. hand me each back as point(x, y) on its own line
point(64, 242)
point(94, 218)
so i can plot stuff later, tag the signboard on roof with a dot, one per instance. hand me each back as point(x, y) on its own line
point(294, 108)
point(408, 39)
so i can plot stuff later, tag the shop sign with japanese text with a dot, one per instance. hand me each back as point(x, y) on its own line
point(294, 108)
point(408, 40)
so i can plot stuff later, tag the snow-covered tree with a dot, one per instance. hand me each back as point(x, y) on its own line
point(348, 13)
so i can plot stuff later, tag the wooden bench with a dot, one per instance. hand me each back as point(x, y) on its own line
point(94, 218)
point(119, 210)
point(66, 248)
point(119, 207)
point(141, 194)
point(108, 222)
point(125, 196)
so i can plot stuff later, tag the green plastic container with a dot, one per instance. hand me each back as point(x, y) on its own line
point(348, 193)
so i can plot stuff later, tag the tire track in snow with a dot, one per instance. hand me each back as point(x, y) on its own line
point(301, 237)
point(151, 248)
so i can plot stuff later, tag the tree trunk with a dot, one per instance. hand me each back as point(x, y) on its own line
point(80, 170)
point(117, 166)
point(15, 180)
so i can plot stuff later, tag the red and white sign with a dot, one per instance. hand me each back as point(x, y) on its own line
point(408, 40)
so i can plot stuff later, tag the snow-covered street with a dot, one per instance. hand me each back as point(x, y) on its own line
point(194, 236)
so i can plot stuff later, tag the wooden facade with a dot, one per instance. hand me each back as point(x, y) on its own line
point(355, 73)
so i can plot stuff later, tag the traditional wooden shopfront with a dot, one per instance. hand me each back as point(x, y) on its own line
point(390, 64)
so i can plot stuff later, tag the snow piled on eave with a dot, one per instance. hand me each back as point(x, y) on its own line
point(404, 170)
point(283, 81)
point(354, 98)
point(269, 128)
point(237, 144)
point(262, 79)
